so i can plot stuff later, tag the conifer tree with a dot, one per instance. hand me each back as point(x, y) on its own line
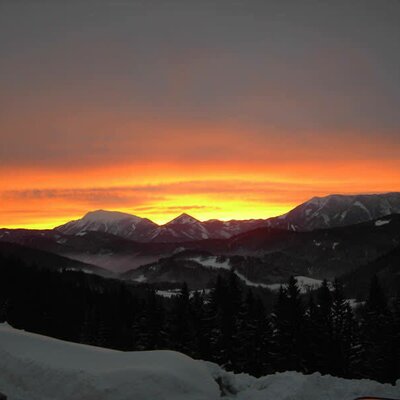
point(350, 343)
point(228, 320)
point(149, 327)
point(378, 360)
point(323, 329)
point(338, 323)
point(253, 337)
point(289, 329)
point(181, 332)
point(396, 336)
point(200, 342)
point(212, 321)
point(313, 335)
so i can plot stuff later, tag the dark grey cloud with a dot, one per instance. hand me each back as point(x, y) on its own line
point(307, 69)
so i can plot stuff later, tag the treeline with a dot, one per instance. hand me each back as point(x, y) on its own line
point(229, 325)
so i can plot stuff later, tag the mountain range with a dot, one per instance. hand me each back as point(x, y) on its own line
point(349, 236)
point(338, 210)
point(180, 229)
point(317, 213)
point(268, 256)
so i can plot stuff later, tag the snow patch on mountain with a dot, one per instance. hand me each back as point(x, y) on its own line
point(168, 293)
point(304, 283)
point(338, 210)
point(362, 206)
point(140, 279)
point(381, 222)
point(175, 292)
point(184, 219)
point(214, 262)
point(249, 282)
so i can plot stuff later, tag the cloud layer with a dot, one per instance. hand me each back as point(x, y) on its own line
point(163, 106)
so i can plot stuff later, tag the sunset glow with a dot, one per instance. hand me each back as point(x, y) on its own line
point(44, 199)
point(123, 108)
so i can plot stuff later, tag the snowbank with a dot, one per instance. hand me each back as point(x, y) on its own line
point(35, 367)
point(296, 386)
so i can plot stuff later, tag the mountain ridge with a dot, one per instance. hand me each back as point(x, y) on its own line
point(316, 213)
point(330, 211)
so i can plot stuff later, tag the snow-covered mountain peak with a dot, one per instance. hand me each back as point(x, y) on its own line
point(109, 216)
point(317, 213)
point(117, 223)
point(180, 229)
point(184, 219)
point(339, 210)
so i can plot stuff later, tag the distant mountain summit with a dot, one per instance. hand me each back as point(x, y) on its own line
point(117, 223)
point(338, 210)
point(183, 219)
point(317, 213)
point(182, 228)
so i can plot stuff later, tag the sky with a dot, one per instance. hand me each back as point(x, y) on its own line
point(221, 109)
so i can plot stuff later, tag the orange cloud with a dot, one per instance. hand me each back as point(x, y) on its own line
point(45, 198)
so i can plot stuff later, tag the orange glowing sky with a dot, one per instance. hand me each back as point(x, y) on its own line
point(44, 199)
point(232, 111)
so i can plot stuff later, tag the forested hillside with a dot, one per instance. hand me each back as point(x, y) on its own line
point(229, 325)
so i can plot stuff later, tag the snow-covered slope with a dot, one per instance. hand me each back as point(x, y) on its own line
point(187, 228)
point(226, 229)
point(203, 268)
point(304, 283)
point(316, 213)
point(117, 223)
point(181, 229)
point(35, 367)
point(338, 210)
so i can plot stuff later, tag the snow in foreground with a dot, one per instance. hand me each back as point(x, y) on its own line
point(295, 386)
point(35, 367)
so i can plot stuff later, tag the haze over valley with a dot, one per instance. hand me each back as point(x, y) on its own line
point(199, 200)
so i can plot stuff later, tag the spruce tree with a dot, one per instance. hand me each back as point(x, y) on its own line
point(350, 343)
point(149, 328)
point(212, 322)
point(396, 337)
point(181, 333)
point(228, 320)
point(378, 360)
point(338, 349)
point(323, 325)
point(198, 310)
point(289, 329)
point(314, 355)
point(253, 338)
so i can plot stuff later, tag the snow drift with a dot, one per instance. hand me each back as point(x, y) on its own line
point(35, 367)
point(295, 386)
